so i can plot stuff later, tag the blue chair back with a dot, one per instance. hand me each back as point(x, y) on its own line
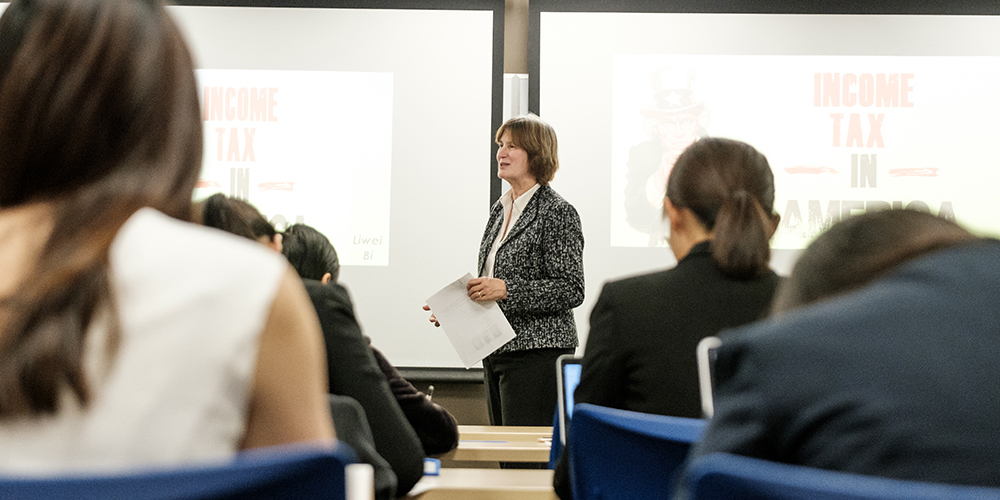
point(284, 472)
point(623, 454)
point(721, 476)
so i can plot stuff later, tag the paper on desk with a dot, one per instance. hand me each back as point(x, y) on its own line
point(475, 329)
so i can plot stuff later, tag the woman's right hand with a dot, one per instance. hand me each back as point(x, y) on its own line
point(433, 318)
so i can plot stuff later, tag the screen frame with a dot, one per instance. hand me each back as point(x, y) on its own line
point(562, 399)
point(782, 260)
point(879, 7)
point(497, 7)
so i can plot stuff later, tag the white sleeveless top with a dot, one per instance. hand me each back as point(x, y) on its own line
point(191, 304)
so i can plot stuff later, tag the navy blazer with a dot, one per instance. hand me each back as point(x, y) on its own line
point(541, 262)
point(898, 379)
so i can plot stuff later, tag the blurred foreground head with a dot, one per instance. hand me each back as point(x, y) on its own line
point(98, 106)
point(856, 251)
point(99, 117)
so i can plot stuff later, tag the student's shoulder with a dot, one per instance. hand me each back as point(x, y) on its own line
point(637, 286)
point(152, 247)
point(151, 231)
point(332, 295)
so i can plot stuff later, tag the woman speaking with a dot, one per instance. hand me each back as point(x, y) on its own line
point(531, 264)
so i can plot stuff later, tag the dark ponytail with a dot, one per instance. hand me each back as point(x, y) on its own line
point(740, 246)
point(729, 187)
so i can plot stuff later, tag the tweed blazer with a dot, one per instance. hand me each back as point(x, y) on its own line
point(541, 262)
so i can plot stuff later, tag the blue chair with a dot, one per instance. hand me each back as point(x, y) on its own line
point(283, 472)
point(623, 454)
point(720, 476)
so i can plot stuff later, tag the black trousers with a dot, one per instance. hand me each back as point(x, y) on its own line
point(521, 386)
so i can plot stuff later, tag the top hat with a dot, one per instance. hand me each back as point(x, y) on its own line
point(672, 94)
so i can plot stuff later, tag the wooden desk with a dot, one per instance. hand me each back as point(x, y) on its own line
point(500, 451)
point(478, 443)
point(485, 484)
point(506, 432)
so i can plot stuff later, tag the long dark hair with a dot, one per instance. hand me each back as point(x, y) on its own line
point(99, 116)
point(729, 187)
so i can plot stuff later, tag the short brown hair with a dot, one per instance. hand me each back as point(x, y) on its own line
point(538, 139)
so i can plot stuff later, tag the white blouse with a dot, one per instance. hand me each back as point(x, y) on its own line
point(511, 212)
point(191, 304)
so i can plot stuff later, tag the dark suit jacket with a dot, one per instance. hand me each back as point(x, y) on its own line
point(351, 424)
point(436, 428)
point(541, 262)
point(900, 379)
point(353, 372)
point(640, 353)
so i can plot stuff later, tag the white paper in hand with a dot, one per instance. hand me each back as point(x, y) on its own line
point(475, 329)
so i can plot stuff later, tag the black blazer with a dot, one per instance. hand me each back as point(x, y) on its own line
point(541, 262)
point(640, 353)
point(436, 428)
point(899, 379)
point(354, 372)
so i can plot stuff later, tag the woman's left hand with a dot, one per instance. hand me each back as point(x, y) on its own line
point(482, 289)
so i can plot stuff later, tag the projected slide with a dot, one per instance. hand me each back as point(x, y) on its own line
point(381, 139)
point(843, 134)
point(304, 146)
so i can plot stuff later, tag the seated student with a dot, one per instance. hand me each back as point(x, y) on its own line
point(312, 255)
point(353, 370)
point(640, 353)
point(890, 370)
point(127, 337)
